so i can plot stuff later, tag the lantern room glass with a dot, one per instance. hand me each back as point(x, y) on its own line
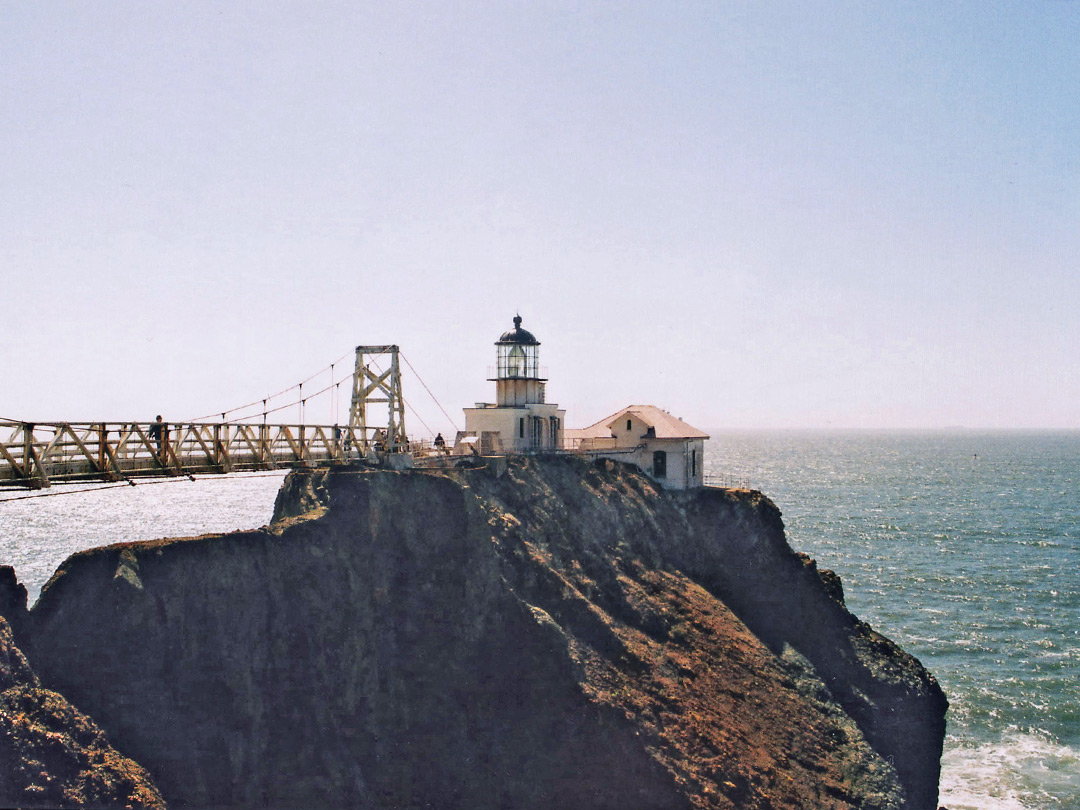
point(518, 361)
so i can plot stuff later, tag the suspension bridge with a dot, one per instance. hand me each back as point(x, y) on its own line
point(35, 455)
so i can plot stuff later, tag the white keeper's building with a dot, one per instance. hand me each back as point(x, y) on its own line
point(667, 448)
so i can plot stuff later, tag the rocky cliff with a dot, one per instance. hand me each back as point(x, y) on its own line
point(551, 633)
point(51, 754)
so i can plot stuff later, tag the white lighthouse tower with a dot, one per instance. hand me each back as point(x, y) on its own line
point(520, 420)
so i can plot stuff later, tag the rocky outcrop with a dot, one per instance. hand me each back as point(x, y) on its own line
point(52, 755)
point(551, 634)
point(12, 599)
point(786, 601)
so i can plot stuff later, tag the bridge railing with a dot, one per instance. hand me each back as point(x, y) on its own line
point(37, 454)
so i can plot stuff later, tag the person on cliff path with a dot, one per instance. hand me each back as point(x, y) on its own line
point(440, 443)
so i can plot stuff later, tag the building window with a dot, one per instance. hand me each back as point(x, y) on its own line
point(627, 425)
point(659, 464)
point(521, 428)
point(693, 463)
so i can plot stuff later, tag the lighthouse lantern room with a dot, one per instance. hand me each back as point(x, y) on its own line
point(517, 372)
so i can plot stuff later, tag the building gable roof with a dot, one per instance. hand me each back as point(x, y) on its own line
point(663, 424)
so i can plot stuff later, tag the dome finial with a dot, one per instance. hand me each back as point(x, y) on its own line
point(518, 335)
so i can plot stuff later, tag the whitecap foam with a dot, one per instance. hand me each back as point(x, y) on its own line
point(1018, 772)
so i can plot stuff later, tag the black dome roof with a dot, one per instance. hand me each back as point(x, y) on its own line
point(518, 335)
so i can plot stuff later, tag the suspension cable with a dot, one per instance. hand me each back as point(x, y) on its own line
point(128, 482)
point(64, 492)
point(292, 404)
point(418, 416)
point(279, 393)
point(301, 400)
point(436, 401)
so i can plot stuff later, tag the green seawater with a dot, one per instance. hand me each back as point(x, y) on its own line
point(964, 547)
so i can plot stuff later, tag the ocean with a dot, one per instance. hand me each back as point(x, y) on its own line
point(962, 546)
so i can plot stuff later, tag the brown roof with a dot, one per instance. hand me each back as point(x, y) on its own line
point(664, 425)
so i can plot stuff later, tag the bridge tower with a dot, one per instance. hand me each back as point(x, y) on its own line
point(372, 386)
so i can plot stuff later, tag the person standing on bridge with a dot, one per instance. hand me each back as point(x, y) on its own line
point(157, 432)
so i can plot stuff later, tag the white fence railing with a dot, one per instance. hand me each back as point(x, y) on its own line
point(727, 481)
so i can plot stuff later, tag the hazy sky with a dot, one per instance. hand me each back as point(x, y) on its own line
point(845, 214)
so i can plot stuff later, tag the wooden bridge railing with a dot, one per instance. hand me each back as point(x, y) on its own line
point(37, 454)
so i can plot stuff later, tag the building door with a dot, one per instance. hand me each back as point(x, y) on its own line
point(659, 464)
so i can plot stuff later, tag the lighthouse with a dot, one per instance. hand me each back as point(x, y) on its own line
point(520, 420)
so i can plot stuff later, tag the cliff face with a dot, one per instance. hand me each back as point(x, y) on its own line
point(51, 754)
point(552, 634)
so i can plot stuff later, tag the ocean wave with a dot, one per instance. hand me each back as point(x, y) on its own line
point(1020, 771)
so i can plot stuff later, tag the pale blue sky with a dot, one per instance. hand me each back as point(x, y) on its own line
point(841, 214)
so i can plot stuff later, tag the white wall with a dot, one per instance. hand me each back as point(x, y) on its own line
point(679, 459)
point(504, 421)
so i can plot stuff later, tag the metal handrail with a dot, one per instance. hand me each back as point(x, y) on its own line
point(727, 481)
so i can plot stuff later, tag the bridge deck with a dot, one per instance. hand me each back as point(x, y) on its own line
point(37, 454)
